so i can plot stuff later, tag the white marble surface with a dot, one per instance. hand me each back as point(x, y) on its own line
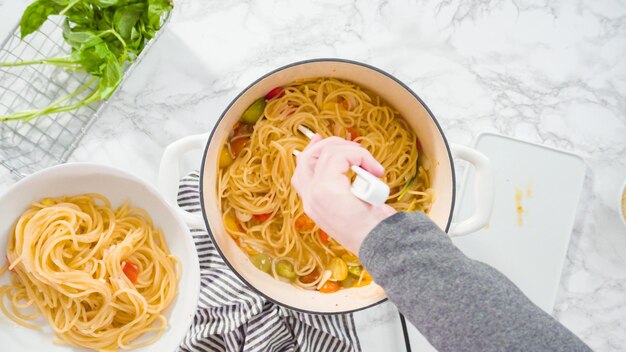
point(551, 72)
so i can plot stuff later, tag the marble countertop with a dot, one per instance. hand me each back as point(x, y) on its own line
point(550, 72)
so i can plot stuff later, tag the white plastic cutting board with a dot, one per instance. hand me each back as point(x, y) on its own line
point(529, 248)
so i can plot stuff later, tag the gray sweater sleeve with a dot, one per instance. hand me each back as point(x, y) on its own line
point(457, 303)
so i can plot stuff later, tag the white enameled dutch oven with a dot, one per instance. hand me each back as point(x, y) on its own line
point(118, 186)
point(398, 95)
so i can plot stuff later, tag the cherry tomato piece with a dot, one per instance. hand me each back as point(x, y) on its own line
point(277, 92)
point(261, 217)
point(236, 145)
point(344, 103)
point(354, 133)
point(310, 277)
point(131, 271)
point(304, 223)
point(329, 287)
point(366, 280)
point(324, 236)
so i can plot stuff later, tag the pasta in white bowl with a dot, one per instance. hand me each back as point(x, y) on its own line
point(87, 267)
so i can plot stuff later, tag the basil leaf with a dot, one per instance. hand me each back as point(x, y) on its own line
point(93, 59)
point(126, 17)
point(136, 43)
point(156, 9)
point(82, 40)
point(111, 77)
point(36, 14)
point(81, 14)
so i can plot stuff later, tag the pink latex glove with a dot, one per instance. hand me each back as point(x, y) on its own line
point(320, 180)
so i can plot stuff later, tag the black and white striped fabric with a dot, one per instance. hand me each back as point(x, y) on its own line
point(232, 317)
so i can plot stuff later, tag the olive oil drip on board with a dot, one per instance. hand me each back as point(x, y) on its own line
point(519, 196)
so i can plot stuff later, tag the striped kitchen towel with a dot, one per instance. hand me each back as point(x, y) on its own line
point(232, 317)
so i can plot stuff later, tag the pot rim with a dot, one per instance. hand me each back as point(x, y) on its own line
point(219, 120)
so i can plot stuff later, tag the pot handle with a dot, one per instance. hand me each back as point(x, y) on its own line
point(169, 174)
point(483, 189)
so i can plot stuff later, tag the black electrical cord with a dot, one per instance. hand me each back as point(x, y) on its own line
point(405, 332)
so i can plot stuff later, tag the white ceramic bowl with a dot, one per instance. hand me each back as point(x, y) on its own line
point(398, 95)
point(118, 186)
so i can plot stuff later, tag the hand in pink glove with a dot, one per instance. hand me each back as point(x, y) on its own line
point(320, 180)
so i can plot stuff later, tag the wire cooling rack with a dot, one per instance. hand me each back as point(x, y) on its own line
point(26, 147)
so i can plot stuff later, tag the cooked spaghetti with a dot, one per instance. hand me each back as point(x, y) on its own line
point(100, 277)
point(262, 211)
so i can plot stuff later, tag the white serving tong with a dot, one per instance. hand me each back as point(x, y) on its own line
point(365, 186)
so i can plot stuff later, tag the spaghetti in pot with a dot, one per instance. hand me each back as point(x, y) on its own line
point(100, 277)
point(262, 211)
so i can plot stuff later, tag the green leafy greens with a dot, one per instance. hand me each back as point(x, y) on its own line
point(103, 34)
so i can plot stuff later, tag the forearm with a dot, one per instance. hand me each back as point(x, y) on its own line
point(455, 302)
